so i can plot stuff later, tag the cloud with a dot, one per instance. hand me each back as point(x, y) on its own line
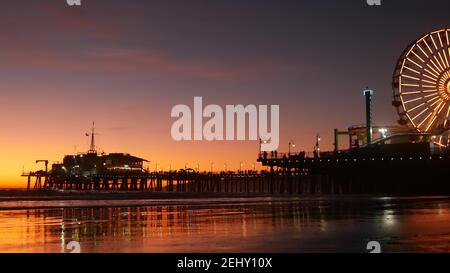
point(138, 61)
point(52, 36)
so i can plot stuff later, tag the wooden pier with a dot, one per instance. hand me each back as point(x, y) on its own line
point(348, 173)
point(361, 174)
point(155, 182)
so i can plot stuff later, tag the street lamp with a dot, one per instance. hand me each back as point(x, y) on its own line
point(240, 166)
point(225, 167)
point(383, 132)
point(317, 146)
point(260, 144)
point(291, 144)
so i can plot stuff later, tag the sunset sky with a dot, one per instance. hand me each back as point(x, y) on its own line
point(125, 64)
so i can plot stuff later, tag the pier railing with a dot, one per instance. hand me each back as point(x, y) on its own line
point(283, 155)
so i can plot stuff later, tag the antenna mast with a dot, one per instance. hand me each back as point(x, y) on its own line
point(92, 149)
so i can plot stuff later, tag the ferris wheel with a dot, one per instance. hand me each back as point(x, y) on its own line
point(421, 83)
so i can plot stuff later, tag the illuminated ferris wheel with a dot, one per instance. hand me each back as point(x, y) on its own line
point(421, 83)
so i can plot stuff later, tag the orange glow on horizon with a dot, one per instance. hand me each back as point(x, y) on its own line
point(162, 152)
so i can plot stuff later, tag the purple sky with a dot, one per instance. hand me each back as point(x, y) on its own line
point(126, 63)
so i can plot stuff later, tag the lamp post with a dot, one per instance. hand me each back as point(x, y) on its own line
point(383, 132)
point(240, 166)
point(260, 146)
point(291, 144)
point(225, 167)
point(317, 146)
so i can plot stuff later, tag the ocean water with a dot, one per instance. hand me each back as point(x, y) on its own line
point(281, 224)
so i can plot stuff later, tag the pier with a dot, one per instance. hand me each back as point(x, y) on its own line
point(361, 174)
point(395, 159)
point(154, 182)
point(287, 174)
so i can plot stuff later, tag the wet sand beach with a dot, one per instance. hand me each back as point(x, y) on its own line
point(147, 222)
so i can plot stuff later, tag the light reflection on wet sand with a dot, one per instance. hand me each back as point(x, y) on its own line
point(284, 225)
